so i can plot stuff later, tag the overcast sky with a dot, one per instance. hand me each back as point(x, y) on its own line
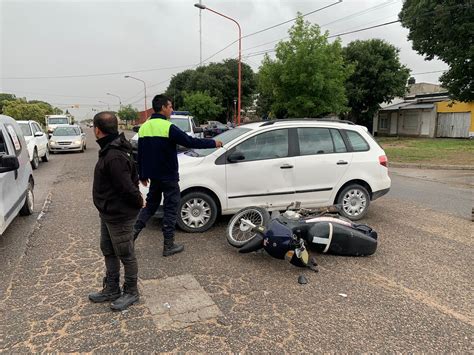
point(153, 40)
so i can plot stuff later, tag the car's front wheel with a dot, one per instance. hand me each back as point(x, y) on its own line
point(197, 212)
point(354, 201)
point(28, 206)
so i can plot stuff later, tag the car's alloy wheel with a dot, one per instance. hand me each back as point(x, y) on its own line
point(197, 212)
point(354, 201)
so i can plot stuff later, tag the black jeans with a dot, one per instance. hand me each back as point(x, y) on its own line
point(116, 243)
point(172, 196)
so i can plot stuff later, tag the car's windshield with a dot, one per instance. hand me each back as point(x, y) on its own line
point(225, 137)
point(66, 131)
point(25, 128)
point(182, 123)
point(58, 120)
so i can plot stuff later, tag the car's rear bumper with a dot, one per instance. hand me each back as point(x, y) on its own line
point(379, 193)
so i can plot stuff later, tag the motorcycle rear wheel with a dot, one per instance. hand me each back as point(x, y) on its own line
point(237, 233)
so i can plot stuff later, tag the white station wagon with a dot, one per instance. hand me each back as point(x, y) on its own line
point(271, 164)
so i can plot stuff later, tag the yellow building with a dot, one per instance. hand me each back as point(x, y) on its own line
point(455, 119)
point(426, 115)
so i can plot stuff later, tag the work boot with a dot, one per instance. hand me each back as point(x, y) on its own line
point(171, 248)
point(130, 296)
point(109, 292)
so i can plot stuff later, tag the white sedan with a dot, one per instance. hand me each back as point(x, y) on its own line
point(36, 141)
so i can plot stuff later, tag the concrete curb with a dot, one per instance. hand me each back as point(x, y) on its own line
point(430, 166)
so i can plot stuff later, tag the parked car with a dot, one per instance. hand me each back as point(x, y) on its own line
point(37, 142)
point(271, 164)
point(68, 139)
point(184, 121)
point(16, 175)
point(213, 128)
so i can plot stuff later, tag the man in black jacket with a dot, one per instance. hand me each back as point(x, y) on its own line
point(117, 197)
point(158, 164)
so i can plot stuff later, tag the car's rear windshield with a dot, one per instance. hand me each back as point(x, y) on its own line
point(66, 131)
point(182, 123)
point(225, 137)
point(26, 129)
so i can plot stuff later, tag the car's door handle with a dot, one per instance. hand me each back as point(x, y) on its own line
point(342, 162)
point(286, 166)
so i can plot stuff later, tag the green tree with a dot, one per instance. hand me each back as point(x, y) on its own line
point(307, 77)
point(444, 29)
point(378, 77)
point(219, 80)
point(128, 114)
point(202, 106)
point(23, 110)
point(5, 98)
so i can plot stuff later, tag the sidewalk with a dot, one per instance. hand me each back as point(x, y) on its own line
point(431, 166)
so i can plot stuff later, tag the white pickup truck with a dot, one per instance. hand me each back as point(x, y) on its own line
point(52, 121)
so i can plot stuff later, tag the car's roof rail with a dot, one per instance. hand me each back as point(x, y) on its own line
point(268, 123)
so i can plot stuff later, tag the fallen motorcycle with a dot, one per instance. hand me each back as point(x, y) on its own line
point(286, 236)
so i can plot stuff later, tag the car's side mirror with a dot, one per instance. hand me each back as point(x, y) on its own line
point(136, 129)
point(198, 130)
point(235, 157)
point(8, 163)
point(39, 134)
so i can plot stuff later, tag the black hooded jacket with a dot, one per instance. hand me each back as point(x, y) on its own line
point(115, 191)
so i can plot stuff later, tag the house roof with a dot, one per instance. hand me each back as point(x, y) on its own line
point(411, 105)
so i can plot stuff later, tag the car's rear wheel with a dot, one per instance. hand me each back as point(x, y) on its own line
point(28, 206)
point(239, 233)
point(35, 161)
point(354, 201)
point(197, 212)
point(45, 157)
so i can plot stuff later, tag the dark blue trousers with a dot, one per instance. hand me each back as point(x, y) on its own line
point(172, 195)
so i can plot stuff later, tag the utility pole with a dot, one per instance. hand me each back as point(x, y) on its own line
point(200, 36)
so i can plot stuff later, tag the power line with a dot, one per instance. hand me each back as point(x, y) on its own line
point(271, 27)
point(58, 95)
point(430, 72)
point(332, 36)
point(94, 75)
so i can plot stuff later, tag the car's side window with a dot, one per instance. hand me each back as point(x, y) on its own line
point(3, 144)
point(37, 128)
point(315, 141)
point(14, 138)
point(339, 145)
point(268, 145)
point(357, 141)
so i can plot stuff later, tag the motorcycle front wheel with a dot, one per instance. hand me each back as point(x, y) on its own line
point(238, 233)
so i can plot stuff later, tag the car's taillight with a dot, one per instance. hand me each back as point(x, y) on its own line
point(383, 160)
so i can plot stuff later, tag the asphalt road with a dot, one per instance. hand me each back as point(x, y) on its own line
point(413, 295)
point(449, 191)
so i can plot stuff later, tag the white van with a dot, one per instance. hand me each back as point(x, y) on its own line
point(16, 175)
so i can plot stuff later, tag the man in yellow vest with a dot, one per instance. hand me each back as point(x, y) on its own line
point(158, 166)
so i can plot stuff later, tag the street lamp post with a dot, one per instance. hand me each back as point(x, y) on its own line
point(120, 100)
point(144, 85)
point(239, 89)
point(108, 106)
